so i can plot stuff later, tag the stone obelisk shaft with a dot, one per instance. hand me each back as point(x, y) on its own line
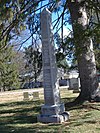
point(52, 111)
point(51, 91)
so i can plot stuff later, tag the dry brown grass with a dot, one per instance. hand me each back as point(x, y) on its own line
point(15, 96)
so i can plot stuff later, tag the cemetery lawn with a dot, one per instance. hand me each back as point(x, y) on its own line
point(18, 116)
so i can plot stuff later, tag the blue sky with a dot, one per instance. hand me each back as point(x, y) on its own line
point(54, 17)
point(26, 33)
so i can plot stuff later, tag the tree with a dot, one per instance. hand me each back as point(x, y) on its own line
point(20, 61)
point(9, 77)
point(33, 59)
point(84, 30)
point(13, 17)
point(84, 51)
point(61, 55)
point(97, 55)
point(81, 12)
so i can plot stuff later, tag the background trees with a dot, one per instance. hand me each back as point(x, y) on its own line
point(33, 57)
point(78, 13)
point(9, 76)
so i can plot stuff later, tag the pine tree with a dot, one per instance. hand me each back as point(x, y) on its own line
point(9, 78)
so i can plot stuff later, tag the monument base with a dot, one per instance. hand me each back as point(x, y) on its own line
point(52, 109)
point(53, 114)
point(53, 118)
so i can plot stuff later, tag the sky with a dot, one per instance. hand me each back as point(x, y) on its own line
point(54, 17)
point(25, 34)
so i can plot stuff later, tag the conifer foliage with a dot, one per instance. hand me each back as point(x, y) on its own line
point(9, 78)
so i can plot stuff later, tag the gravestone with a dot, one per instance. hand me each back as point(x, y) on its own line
point(26, 96)
point(76, 88)
point(52, 111)
point(35, 95)
point(73, 81)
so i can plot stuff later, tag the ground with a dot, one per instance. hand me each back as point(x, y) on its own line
point(18, 116)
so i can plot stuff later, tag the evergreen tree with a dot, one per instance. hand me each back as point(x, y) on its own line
point(33, 59)
point(9, 78)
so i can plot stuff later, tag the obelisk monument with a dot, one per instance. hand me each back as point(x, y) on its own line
point(52, 111)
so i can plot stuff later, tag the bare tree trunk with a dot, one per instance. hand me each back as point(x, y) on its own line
point(84, 52)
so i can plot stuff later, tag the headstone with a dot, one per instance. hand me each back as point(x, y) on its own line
point(35, 95)
point(52, 111)
point(26, 96)
point(74, 82)
point(76, 88)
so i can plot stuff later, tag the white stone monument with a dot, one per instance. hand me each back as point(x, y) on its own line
point(52, 111)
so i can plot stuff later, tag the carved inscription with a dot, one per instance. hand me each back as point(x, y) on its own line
point(51, 93)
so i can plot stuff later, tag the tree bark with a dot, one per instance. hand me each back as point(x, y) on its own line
point(84, 52)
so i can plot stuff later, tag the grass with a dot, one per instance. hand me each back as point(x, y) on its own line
point(18, 116)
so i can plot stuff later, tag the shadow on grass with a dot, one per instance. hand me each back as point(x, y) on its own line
point(82, 122)
point(95, 106)
point(13, 129)
point(21, 117)
point(21, 110)
point(69, 99)
point(32, 129)
point(19, 103)
point(25, 115)
point(18, 113)
point(15, 115)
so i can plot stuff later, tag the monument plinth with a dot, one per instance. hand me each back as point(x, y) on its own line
point(52, 111)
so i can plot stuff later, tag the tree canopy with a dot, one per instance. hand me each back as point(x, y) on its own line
point(20, 14)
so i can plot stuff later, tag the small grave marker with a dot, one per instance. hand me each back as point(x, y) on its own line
point(26, 96)
point(35, 95)
point(76, 88)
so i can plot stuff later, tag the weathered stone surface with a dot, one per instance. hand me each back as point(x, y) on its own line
point(54, 118)
point(35, 95)
point(26, 96)
point(51, 92)
point(76, 88)
point(53, 110)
